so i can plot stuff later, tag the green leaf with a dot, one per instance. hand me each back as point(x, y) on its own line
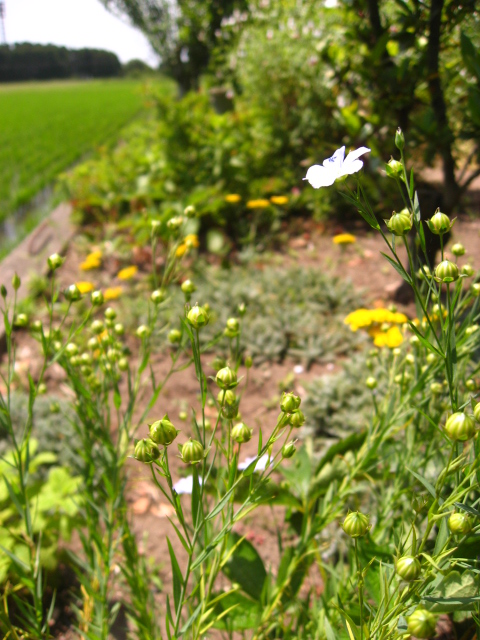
point(470, 56)
point(457, 592)
point(245, 567)
point(245, 614)
point(465, 507)
point(428, 345)
point(428, 486)
point(177, 576)
point(400, 270)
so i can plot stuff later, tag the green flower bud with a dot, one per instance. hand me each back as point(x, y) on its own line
point(394, 169)
point(188, 287)
point(422, 624)
point(158, 296)
point(458, 249)
point(431, 358)
point(218, 363)
point(142, 332)
point(123, 364)
point(468, 270)
point(110, 313)
point(156, 227)
point(248, 362)
point(436, 388)
point(460, 426)
point(175, 223)
point(226, 378)
point(174, 336)
point(446, 271)
point(290, 403)
point(36, 326)
point(42, 389)
point(242, 309)
point(192, 452)
point(399, 139)
point(119, 329)
point(470, 384)
point(72, 293)
point(410, 359)
point(97, 298)
point(289, 449)
point(460, 523)
point(189, 211)
point(109, 323)
point(226, 397)
point(371, 382)
point(71, 349)
point(233, 325)
point(54, 407)
point(414, 340)
point(163, 432)
point(21, 320)
point(3, 291)
point(16, 282)
point(400, 223)
point(146, 451)
point(55, 261)
point(182, 416)
point(197, 317)
point(297, 419)
point(97, 327)
point(476, 412)
point(241, 433)
point(408, 568)
point(475, 289)
point(356, 524)
point(424, 273)
point(440, 223)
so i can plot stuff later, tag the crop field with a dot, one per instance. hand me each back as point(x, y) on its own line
point(44, 127)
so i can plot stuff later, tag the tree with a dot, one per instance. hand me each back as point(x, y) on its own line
point(183, 32)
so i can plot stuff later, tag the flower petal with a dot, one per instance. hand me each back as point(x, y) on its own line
point(350, 160)
point(336, 160)
point(351, 167)
point(318, 176)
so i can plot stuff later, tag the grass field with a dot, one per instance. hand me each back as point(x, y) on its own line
point(45, 127)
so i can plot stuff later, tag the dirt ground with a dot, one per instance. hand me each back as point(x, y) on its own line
point(310, 245)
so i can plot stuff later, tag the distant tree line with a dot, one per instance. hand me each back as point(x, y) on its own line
point(25, 61)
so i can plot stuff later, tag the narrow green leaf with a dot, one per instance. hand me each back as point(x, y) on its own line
point(176, 575)
point(429, 487)
point(245, 567)
point(428, 345)
point(465, 507)
point(400, 270)
point(196, 505)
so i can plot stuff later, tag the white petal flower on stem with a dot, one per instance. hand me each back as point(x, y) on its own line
point(335, 167)
point(185, 485)
point(260, 466)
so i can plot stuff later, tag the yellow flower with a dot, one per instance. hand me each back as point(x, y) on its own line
point(85, 287)
point(344, 238)
point(90, 264)
point(233, 197)
point(181, 250)
point(279, 199)
point(191, 240)
point(127, 273)
point(261, 203)
point(95, 255)
point(112, 293)
point(391, 338)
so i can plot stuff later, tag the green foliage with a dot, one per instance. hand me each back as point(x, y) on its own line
point(54, 502)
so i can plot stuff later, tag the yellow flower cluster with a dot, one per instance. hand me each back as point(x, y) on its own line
point(85, 287)
point(233, 198)
point(279, 200)
point(261, 203)
point(92, 261)
point(378, 323)
point(112, 293)
point(127, 273)
point(189, 242)
point(344, 238)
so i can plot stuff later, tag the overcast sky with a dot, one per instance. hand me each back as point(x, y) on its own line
point(75, 24)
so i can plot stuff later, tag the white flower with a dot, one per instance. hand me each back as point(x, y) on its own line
point(335, 167)
point(260, 466)
point(185, 485)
